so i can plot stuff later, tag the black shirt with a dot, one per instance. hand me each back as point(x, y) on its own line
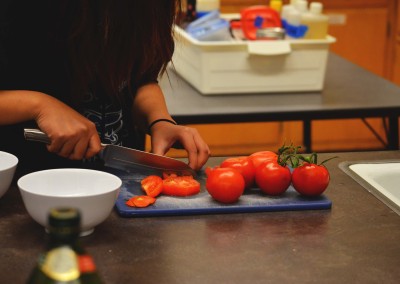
point(32, 59)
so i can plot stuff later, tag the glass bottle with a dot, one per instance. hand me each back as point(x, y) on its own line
point(64, 261)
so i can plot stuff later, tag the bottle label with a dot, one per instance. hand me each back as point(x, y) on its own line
point(61, 264)
point(86, 264)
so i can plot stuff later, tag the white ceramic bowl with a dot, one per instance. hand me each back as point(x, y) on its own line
point(92, 192)
point(8, 164)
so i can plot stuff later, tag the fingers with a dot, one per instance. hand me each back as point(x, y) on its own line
point(72, 135)
point(94, 146)
point(76, 146)
point(197, 150)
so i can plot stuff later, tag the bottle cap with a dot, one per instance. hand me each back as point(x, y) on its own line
point(316, 8)
point(276, 5)
point(301, 6)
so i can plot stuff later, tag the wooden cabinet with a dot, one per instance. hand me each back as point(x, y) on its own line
point(368, 34)
point(396, 57)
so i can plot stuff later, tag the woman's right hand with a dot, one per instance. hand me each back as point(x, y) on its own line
point(72, 135)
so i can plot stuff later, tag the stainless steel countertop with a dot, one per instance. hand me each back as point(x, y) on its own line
point(357, 241)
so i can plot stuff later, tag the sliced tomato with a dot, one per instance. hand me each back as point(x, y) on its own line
point(168, 175)
point(140, 201)
point(152, 185)
point(180, 186)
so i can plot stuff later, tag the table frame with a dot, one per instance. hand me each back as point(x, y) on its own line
point(349, 92)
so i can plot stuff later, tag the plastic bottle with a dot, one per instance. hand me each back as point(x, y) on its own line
point(285, 11)
point(316, 22)
point(205, 6)
point(64, 261)
point(294, 27)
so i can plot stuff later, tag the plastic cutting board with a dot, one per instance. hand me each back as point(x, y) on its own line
point(251, 201)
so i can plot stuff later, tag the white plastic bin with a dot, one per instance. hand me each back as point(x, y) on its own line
point(233, 67)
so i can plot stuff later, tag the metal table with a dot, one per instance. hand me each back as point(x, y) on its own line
point(349, 92)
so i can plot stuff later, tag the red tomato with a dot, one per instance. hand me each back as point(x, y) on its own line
point(259, 157)
point(225, 185)
point(244, 165)
point(180, 186)
point(272, 178)
point(152, 185)
point(310, 179)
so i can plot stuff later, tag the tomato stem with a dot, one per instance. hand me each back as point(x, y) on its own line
point(289, 154)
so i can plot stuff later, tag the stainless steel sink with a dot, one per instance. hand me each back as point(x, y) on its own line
point(381, 178)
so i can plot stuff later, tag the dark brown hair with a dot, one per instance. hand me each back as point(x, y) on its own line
point(116, 41)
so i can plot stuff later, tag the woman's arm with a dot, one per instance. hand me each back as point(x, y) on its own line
point(149, 105)
point(72, 135)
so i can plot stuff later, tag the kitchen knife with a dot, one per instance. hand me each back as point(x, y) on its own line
point(126, 159)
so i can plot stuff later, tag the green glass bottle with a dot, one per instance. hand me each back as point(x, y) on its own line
point(64, 261)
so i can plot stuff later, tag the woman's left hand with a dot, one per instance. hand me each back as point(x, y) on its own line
point(165, 134)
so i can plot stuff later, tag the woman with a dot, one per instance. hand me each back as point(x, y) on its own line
point(85, 72)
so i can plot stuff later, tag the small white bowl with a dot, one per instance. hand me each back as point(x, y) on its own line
point(92, 192)
point(8, 164)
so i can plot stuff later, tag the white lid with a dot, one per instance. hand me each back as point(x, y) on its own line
point(301, 5)
point(316, 7)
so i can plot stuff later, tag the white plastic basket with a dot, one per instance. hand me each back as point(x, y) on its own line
point(233, 67)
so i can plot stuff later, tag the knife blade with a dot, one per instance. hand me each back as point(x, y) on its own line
point(127, 159)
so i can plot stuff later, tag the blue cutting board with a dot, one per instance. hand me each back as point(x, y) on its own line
point(252, 200)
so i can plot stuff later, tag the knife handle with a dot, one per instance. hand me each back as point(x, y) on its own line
point(32, 134)
point(36, 135)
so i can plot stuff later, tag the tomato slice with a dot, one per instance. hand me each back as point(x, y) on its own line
point(180, 186)
point(152, 185)
point(140, 201)
point(169, 175)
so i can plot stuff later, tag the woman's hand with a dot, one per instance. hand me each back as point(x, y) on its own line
point(164, 135)
point(72, 135)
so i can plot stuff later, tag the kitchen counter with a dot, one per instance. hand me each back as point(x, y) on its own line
point(357, 241)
